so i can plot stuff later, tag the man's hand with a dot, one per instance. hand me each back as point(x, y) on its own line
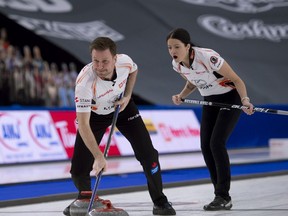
point(99, 164)
point(122, 102)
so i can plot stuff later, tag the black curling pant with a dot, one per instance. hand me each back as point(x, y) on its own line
point(216, 126)
point(131, 125)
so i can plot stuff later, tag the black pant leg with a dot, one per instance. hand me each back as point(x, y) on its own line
point(217, 124)
point(224, 126)
point(82, 160)
point(131, 125)
point(209, 116)
point(81, 163)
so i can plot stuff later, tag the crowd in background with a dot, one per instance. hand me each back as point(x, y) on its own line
point(27, 79)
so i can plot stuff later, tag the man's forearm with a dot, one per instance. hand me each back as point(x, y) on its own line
point(130, 84)
point(89, 140)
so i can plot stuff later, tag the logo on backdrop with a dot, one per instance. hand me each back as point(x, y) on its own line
point(253, 29)
point(71, 31)
point(10, 135)
point(40, 129)
point(51, 6)
point(241, 6)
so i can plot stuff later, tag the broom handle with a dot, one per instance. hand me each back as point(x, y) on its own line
point(234, 106)
point(114, 120)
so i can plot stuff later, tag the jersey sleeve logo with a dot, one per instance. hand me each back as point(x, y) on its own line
point(82, 102)
point(213, 60)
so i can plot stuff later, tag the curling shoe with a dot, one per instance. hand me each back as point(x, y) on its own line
point(164, 209)
point(219, 203)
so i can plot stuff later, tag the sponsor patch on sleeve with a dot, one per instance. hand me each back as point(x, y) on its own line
point(83, 104)
point(216, 62)
point(213, 60)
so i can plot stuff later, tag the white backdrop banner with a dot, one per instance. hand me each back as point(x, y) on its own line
point(170, 130)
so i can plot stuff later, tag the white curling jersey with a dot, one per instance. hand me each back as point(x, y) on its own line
point(93, 93)
point(203, 72)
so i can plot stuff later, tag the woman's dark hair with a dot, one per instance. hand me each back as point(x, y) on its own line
point(180, 34)
point(103, 43)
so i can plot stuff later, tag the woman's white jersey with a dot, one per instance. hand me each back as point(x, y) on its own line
point(202, 72)
point(98, 95)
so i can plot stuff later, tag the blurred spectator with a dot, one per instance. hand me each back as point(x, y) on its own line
point(73, 71)
point(62, 91)
point(19, 95)
point(4, 43)
point(2, 66)
point(13, 58)
point(29, 84)
point(46, 73)
point(27, 57)
point(4, 79)
point(12, 61)
point(50, 89)
point(39, 87)
point(51, 93)
point(71, 85)
point(37, 59)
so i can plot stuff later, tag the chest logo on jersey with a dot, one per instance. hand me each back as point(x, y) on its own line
point(105, 93)
point(109, 107)
point(200, 72)
point(202, 84)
